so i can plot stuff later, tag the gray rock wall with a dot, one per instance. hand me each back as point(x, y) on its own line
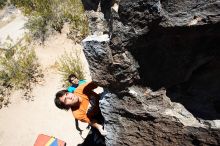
point(160, 70)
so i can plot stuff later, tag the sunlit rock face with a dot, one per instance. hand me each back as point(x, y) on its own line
point(160, 68)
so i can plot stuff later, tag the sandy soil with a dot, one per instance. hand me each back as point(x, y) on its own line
point(22, 121)
point(11, 26)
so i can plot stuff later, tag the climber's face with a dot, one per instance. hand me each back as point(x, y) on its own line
point(69, 99)
point(74, 80)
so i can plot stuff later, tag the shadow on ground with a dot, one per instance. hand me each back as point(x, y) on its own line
point(94, 138)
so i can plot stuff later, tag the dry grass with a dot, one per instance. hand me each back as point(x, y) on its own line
point(46, 16)
point(70, 63)
point(19, 69)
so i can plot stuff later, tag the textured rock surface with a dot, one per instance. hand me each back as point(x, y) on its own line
point(154, 44)
point(98, 14)
point(97, 24)
point(103, 6)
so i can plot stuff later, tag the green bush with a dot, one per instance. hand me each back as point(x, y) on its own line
point(18, 69)
point(49, 15)
point(38, 28)
point(26, 5)
point(79, 27)
point(2, 3)
point(70, 63)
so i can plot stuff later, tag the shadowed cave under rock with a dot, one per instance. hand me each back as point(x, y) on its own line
point(186, 61)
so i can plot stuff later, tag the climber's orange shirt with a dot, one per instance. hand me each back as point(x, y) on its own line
point(90, 102)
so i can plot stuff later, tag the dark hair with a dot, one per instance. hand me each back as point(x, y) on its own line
point(57, 101)
point(71, 76)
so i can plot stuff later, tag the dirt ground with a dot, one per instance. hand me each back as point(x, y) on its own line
point(22, 121)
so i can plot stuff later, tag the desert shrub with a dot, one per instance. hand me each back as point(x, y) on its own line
point(69, 63)
point(2, 3)
point(38, 27)
point(19, 68)
point(47, 16)
point(26, 5)
point(79, 27)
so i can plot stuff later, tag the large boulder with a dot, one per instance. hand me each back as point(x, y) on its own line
point(160, 73)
